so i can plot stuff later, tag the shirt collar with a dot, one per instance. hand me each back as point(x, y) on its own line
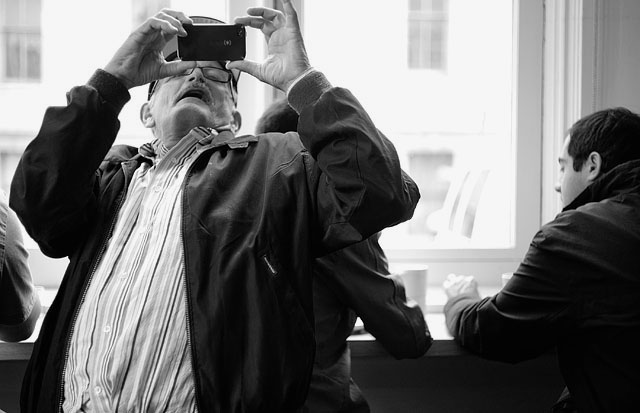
point(203, 136)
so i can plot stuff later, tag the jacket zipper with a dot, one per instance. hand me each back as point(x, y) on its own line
point(186, 285)
point(187, 289)
point(84, 293)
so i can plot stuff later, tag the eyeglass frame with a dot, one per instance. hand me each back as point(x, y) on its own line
point(231, 79)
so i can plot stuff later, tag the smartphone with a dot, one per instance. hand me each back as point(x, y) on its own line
point(215, 42)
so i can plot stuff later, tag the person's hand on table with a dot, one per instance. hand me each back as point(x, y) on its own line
point(455, 285)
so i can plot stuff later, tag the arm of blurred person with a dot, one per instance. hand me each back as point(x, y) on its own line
point(19, 302)
point(359, 277)
point(524, 319)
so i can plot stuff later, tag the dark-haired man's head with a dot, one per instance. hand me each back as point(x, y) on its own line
point(596, 144)
point(278, 117)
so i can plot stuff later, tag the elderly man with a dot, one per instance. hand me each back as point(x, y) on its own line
point(189, 283)
point(578, 287)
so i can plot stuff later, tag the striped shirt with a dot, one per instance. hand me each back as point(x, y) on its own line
point(129, 348)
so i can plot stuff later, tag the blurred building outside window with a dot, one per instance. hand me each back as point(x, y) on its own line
point(20, 45)
point(428, 27)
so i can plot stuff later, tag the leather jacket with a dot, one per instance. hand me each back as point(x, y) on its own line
point(577, 289)
point(256, 211)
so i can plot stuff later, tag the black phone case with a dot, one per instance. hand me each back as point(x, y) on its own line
point(213, 42)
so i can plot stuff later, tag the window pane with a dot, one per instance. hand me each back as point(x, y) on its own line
point(12, 10)
point(415, 4)
point(427, 35)
point(33, 57)
point(12, 56)
point(32, 14)
point(21, 40)
point(453, 128)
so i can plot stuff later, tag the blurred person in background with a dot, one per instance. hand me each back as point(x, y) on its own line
point(351, 282)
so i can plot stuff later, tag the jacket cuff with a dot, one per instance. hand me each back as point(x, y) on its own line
point(110, 88)
point(453, 309)
point(307, 90)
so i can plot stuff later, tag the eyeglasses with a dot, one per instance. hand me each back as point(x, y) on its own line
point(212, 73)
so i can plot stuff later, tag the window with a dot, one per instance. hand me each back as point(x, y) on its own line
point(20, 40)
point(428, 23)
point(469, 135)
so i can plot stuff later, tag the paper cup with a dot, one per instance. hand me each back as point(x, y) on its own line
point(415, 284)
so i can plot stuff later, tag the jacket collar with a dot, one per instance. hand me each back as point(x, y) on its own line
point(623, 179)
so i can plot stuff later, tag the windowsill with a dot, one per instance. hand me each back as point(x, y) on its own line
point(362, 345)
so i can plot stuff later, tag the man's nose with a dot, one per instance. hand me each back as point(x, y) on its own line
point(557, 187)
point(196, 74)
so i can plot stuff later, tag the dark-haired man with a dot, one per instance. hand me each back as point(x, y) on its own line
point(578, 287)
point(189, 283)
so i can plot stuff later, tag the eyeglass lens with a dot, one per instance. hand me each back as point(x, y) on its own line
point(211, 73)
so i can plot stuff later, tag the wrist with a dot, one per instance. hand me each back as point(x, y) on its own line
point(307, 89)
point(116, 74)
point(110, 88)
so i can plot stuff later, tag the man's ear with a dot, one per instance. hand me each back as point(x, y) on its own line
point(236, 123)
point(593, 165)
point(145, 115)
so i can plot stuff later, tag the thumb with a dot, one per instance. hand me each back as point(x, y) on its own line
point(173, 68)
point(247, 66)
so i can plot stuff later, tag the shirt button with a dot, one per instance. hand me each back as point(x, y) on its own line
point(123, 275)
point(174, 160)
point(106, 329)
point(157, 189)
point(97, 390)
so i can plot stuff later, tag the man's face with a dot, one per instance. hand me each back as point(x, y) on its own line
point(571, 182)
point(180, 103)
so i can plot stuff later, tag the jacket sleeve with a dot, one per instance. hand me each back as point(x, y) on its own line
point(361, 188)
point(54, 189)
point(359, 277)
point(19, 302)
point(528, 315)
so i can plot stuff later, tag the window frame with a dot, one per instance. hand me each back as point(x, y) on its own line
point(488, 264)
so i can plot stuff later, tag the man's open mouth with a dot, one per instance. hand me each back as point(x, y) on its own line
point(196, 93)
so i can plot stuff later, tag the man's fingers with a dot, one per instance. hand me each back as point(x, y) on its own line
point(265, 26)
point(169, 22)
point(255, 22)
point(157, 24)
point(289, 10)
point(178, 15)
point(266, 13)
point(174, 18)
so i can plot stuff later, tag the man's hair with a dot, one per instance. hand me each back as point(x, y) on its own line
point(278, 117)
point(613, 133)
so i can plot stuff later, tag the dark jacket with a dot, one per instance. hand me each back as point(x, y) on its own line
point(351, 282)
point(578, 288)
point(256, 210)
